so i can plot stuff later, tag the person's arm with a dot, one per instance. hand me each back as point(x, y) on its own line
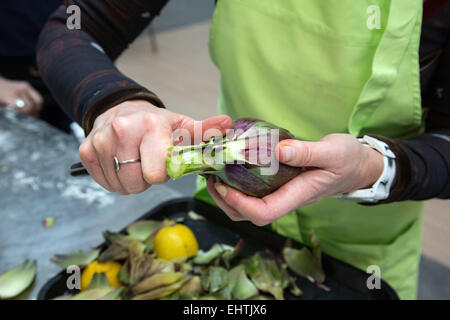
point(423, 163)
point(77, 65)
point(423, 167)
point(340, 164)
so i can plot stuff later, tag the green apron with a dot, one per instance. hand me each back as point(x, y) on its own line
point(315, 67)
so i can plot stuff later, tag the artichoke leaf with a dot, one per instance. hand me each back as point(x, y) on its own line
point(214, 279)
point(99, 280)
point(214, 252)
point(192, 288)
point(93, 294)
point(195, 216)
point(114, 295)
point(229, 255)
point(111, 237)
point(303, 263)
point(266, 274)
point(315, 246)
point(157, 280)
point(149, 240)
point(143, 229)
point(115, 251)
point(17, 280)
point(78, 258)
point(140, 262)
point(162, 292)
point(160, 266)
point(124, 273)
point(118, 246)
point(239, 287)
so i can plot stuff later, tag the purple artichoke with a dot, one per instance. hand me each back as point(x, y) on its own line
point(244, 159)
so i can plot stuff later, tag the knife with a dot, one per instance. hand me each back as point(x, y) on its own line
point(77, 169)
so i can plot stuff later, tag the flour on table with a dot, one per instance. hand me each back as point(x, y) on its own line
point(88, 191)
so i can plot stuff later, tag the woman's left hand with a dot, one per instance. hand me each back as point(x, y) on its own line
point(12, 92)
point(337, 164)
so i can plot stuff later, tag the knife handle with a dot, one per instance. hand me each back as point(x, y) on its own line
point(78, 169)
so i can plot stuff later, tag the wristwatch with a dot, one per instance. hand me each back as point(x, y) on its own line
point(382, 187)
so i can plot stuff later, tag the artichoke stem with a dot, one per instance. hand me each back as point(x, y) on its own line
point(188, 160)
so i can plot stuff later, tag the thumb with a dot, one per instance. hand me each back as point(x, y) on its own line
point(208, 128)
point(298, 153)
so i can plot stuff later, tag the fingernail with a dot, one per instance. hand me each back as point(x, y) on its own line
point(221, 189)
point(287, 153)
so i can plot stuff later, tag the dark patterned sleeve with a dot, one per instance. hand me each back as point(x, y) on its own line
point(423, 163)
point(77, 65)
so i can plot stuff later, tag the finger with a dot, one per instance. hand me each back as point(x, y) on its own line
point(104, 143)
point(27, 102)
point(154, 150)
point(206, 129)
point(216, 124)
point(298, 153)
point(91, 164)
point(231, 213)
point(8, 101)
point(309, 187)
point(251, 208)
point(130, 174)
point(34, 96)
point(31, 107)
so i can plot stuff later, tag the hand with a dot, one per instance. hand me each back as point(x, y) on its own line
point(131, 130)
point(338, 163)
point(11, 90)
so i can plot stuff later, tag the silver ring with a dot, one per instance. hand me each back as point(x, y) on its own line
point(19, 103)
point(117, 163)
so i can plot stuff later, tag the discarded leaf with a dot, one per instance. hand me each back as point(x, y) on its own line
point(93, 294)
point(161, 291)
point(16, 280)
point(315, 246)
point(215, 251)
point(191, 288)
point(214, 278)
point(241, 286)
point(267, 275)
point(143, 229)
point(124, 274)
point(114, 295)
point(78, 258)
point(140, 262)
point(195, 216)
point(229, 255)
point(304, 263)
point(157, 280)
point(99, 280)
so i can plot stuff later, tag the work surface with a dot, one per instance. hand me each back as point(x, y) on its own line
point(35, 184)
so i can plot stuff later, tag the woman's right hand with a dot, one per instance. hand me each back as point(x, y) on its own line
point(131, 130)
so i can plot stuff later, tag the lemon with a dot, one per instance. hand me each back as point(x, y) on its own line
point(110, 269)
point(174, 242)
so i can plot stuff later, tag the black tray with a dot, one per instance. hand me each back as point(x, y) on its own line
point(344, 280)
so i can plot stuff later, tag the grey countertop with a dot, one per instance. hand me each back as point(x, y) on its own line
point(35, 184)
